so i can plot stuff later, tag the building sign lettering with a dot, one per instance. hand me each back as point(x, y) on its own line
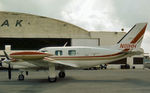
point(5, 23)
point(18, 23)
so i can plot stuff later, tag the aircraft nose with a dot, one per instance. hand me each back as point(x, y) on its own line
point(3, 64)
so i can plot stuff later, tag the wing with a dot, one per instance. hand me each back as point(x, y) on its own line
point(37, 58)
point(50, 60)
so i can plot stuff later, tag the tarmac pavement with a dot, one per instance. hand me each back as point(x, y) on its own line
point(79, 81)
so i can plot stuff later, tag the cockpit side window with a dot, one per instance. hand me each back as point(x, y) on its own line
point(58, 52)
point(72, 52)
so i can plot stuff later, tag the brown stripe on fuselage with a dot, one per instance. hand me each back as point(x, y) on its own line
point(90, 57)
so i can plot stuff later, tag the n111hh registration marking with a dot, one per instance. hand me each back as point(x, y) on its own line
point(127, 46)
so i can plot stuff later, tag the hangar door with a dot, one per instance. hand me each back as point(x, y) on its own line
point(85, 42)
point(32, 43)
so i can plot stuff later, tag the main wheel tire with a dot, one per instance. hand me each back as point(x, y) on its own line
point(52, 79)
point(21, 77)
point(62, 74)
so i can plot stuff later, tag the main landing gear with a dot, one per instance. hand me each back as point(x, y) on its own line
point(62, 74)
point(54, 79)
point(52, 73)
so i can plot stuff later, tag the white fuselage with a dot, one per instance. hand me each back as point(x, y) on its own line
point(84, 56)
point(80, 57)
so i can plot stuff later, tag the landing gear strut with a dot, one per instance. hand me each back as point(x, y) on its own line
point(27, 73)
point(52, 73)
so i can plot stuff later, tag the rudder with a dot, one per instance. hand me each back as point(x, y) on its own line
point(133, 39)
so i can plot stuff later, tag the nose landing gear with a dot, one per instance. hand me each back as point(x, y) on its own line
point(21, 76)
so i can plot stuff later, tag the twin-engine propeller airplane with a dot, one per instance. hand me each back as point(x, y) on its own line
point(60, 58)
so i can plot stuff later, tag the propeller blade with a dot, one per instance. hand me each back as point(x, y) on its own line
point(6, 55)
point(9, 72)
point(0, 63)
point(9, 65)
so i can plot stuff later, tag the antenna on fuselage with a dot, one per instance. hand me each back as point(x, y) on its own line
point(65, 44)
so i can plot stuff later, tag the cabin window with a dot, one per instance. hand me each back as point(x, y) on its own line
point(58, 52)
point(72, 52)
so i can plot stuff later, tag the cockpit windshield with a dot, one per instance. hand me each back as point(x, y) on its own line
point(43, 50)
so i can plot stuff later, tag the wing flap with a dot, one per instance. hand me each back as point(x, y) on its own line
point(50, 60)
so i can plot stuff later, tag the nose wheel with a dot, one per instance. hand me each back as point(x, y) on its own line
point(21, 77)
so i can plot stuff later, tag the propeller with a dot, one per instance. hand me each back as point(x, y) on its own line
point(1, 63)
point(8, 60)
point(6, 55)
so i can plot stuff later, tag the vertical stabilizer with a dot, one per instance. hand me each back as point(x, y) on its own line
point(133, 39)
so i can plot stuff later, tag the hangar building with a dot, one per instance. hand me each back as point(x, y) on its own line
point(30, 32)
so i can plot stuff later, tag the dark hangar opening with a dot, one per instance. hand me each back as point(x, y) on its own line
point(121, 61)
point(33, 43)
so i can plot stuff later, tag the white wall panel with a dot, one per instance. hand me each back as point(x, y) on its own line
point(85, 42)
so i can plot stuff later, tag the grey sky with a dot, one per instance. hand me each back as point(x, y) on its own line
point(107, 15)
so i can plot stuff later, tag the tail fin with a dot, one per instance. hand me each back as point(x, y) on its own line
point(133, 39)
